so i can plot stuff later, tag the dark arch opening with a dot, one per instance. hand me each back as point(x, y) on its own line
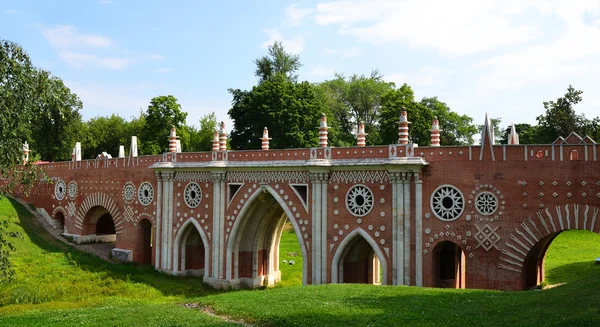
point(359, 264)
point(105, 225)
point(449, 265)
point(145, 242)
point(60, 220)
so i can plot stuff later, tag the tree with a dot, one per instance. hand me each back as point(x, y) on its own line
point(498, 131)
point(456, 129)
point(57, 123)
point(361, 96)
point(528, 134)
point(419, 115)
point(17, 103)
point(290, 111)
point(277, 62)
point(560, 118)
point(105, 134)
point(162, 114)
point(205, 134)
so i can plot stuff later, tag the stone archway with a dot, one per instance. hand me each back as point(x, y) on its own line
point(449, 264)
point(59, 220)
point(98, 227)
point(144, 242)
point(359, 259)
point(191, 251)
point(253, 245)
point(526, 250)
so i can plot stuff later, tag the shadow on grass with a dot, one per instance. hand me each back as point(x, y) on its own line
point(345, 305)
point(166, 284)
point(573, 272)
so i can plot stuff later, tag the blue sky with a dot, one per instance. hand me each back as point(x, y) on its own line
point(503, 57)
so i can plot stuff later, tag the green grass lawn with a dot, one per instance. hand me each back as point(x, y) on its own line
point(58, 285)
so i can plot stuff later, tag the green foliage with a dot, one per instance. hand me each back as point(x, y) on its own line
point(17, 101)
point(291, 111)
point(7, 273)
point(528, 134)
point(205, 134)
point(560, 118)
point(57, 123)
point(456, 129)
point(420, 116)
point(277, 62)
point(163, 113)
point(355, 99)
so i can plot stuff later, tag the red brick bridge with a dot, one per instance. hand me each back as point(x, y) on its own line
point(453, 216)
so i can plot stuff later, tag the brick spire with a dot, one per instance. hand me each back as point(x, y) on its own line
point(361, 135)
point(222, 138)
point(265, 139)
point(403, 128)
point(435, 132)
point(25, 153)
point(216, 141)
point(173, 140)
point(513, 137)
point(323, 131)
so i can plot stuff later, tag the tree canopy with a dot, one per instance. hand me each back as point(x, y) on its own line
point(277, 62)
point(163, 113)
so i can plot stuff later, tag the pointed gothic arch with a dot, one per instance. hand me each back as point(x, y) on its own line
point(268, 222)
point(180, 250)
point(337, 264)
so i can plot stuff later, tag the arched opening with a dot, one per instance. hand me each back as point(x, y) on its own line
point(253, 258)
point(359, 259)
point(105, 225)
point(359, 264)
point(191, 254)
point(59, 220)
point(145, 242)
point(99, 226)
point(561, 257)
point(448, 265)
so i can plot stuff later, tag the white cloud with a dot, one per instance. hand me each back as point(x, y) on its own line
point(294, 16)
point(573, 52)
point(85, 50)
point(65, 36)
point(163, 70)
point(425, 76)
point(84, 60)
point(294, 45)
point(11, 11)
point(346, 52)
point(450, 27)
point(321, 71)
point(100, 99)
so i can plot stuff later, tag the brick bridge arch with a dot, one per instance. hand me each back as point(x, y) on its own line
point(103, 200)
point(528, 243)
point(180, 239)
point(249, 214)
point(343, 248)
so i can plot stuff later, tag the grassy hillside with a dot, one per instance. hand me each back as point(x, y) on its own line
point(58, 285)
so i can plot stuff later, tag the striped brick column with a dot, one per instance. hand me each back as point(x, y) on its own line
point(361, 135)
point(435, 132)
point(173, 141)
point(265, 139)
point(25, 153)
point(403, 128)
point(323, 132)
point(216, 141)
point(222, 138)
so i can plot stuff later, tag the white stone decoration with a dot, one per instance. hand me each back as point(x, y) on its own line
point(359, 200)
point(487, 237)
point(128, 192)
point(486, 203)
point(447, 203)
point(72, 190)
point(60, 190)
point(145, 193)
point(192, 195)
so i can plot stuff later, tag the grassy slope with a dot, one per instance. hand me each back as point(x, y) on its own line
point(58, 285)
